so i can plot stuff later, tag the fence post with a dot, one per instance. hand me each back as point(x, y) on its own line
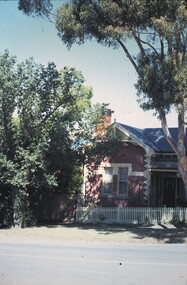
point(118, 215)
point(164, 216)
point(77, 216)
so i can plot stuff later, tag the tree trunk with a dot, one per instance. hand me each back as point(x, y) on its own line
point(179, 146)
point(16, 221)
point(182, 166)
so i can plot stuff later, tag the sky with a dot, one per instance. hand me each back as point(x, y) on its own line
point(106, 70)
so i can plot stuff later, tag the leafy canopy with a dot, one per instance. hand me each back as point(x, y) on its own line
point(157, 27)
point(46, 123)
point(35, 7)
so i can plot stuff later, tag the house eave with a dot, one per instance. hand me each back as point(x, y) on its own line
point(134, 139)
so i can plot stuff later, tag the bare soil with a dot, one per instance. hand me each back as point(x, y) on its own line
point(99, 233)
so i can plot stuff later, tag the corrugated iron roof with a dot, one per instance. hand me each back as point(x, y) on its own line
point(153, 137)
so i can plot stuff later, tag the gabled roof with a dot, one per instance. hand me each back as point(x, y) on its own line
point(152, 137)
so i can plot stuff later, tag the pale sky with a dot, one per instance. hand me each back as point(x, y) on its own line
point(107, 71)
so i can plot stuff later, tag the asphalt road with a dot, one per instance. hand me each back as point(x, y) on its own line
point(92, 263)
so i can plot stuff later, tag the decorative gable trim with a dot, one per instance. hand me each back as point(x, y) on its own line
point(132, 138)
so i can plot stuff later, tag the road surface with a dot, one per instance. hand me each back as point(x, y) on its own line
point(76, 263)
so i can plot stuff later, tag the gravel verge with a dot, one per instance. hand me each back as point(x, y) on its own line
point(156, 234)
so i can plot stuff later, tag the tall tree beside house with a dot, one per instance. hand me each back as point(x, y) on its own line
point(158, 28)
point(46, 117)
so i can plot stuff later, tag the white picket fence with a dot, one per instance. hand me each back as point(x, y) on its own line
point(131, 215)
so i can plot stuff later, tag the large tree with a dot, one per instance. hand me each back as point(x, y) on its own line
point(159, 29)
point(46, 116)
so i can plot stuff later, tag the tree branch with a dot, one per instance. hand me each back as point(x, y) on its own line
point(50, 114)
point(128, 54)
point(184, 47)
point(170, 50)
point(151, 46)
point(162, 49)
point(138, 40)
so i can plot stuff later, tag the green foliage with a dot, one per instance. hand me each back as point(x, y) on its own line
point(156, 84)
point(157, 27)
point(5, 206)
point(79, 21)
point(46, 122)
point(35, 7)
point(102, 146)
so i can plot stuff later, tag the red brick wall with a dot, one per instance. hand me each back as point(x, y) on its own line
point(129, 153)
point(93, 189)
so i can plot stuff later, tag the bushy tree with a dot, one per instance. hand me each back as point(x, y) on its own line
point(46, 118)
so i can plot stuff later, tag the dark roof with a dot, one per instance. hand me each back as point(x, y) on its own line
point(153, 137)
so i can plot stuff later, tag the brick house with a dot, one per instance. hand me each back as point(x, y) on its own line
point(143, 172)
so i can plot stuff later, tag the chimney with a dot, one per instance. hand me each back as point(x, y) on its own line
point(105, 123)
point(108, 118)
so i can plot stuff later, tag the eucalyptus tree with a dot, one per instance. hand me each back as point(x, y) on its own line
point(159, 30)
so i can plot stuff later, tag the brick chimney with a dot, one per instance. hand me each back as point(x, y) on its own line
point(108, 117)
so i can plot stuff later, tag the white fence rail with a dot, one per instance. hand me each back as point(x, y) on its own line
point(131, 215)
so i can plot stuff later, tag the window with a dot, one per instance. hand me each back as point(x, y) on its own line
point(123, 181)
point(107, 186)
point(115, 179)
